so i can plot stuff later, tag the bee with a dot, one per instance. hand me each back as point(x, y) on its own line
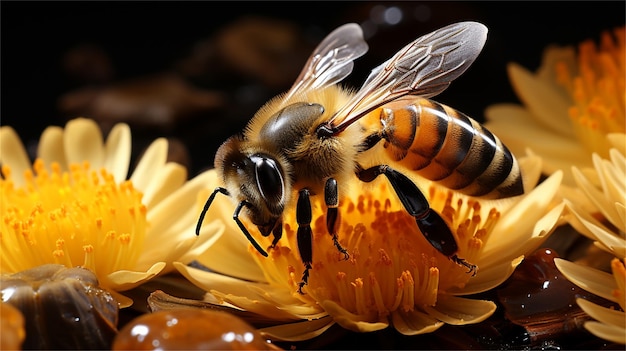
point(317, 136)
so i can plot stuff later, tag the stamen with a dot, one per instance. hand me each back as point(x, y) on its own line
point(70, 218)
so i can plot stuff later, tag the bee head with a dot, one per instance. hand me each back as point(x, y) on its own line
point(256, 177)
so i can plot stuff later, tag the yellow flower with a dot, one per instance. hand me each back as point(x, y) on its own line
point(605, 188)
point(570, 104)
point(393, 276)
point(74, 206)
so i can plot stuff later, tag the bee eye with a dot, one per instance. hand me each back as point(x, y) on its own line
point(269, 179)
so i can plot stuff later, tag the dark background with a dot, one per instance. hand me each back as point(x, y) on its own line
point(142, 38)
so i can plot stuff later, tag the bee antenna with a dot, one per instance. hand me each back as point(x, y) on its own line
point(207, 205)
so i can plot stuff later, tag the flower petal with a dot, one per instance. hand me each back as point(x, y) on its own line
point(602, 314)
point(606, 332)
point(298, 331)
point(414, 322)
point(151, 161)
point(351, 321)
point(597, 231)
point(460, 311)
point(547, 103)
point(590, 279)
point(164, 182)
point(118, 151)
point(514, 125)
point(490, 275)
point(617, 141)
point(209, 281)
point(524, 235)
point(83, 142)
point(13, 154)
point(124, 279)
point(51, 148)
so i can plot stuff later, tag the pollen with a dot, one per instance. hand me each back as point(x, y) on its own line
point(391, 265)
point(597, 90)
point(79, 217)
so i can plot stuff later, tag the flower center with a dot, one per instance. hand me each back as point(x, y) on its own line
point(597, 90)
point(391, 264)
point(80, 217)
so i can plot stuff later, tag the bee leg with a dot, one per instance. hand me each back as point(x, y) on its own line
point(332, 203)
point(277, 233)
point(429, 222)
point(244, 229)
point(304, 235)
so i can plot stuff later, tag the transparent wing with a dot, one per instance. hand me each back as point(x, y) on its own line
point(425, 67)
point(332, 60)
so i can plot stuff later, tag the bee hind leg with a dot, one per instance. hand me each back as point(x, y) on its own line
point(304, 235)
point(430, 223)
point(332, 213)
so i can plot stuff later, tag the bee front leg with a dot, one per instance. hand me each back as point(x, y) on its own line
point(304, 235)
point(332, 213)
point(429, 222)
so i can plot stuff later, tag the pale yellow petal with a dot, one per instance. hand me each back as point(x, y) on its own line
point(490, 274)
point(547, 103)
point(151, 161)
point(351, 321)
point(178, 210)
point(552, 55)
point(618, 141)
point(126, 279)
point(13, 154)
point(414, 322)
point(298, 331)
point(526, 224)
point(210, 281)
point(587, 225)
point(513, 124)
point(602, 314)
point(83, 142)
point(587, 278)
point(122, 301)
point(606, 332)
point(51, 149)
point(117, 152)
point(164, 182)
point(460, 311)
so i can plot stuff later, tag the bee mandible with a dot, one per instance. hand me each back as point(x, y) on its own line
point(316, 137)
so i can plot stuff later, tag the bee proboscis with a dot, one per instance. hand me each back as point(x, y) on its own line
point(312, 139)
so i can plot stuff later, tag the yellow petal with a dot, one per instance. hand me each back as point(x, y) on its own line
point(51, 149)
point(151, 161)
point(460, 311)
point(602, 314)
point(414, 322)
point(526, 224)
point(124, 279)
point(164, 182)
point(118, 151)
point(618, 141)
point(298, 331)
point(82, 142)
point(590, 279)
point(490, 275)
point(606, 332)
point(13, 154)
point(209, 281)
point(547, 103)
point(351, 321)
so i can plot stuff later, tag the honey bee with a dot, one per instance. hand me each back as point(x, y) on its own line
point(312, 139)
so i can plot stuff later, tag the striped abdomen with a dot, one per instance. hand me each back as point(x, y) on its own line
point(446, 146)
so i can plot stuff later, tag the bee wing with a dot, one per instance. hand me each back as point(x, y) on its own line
point(332, 60)
point(425, 67)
